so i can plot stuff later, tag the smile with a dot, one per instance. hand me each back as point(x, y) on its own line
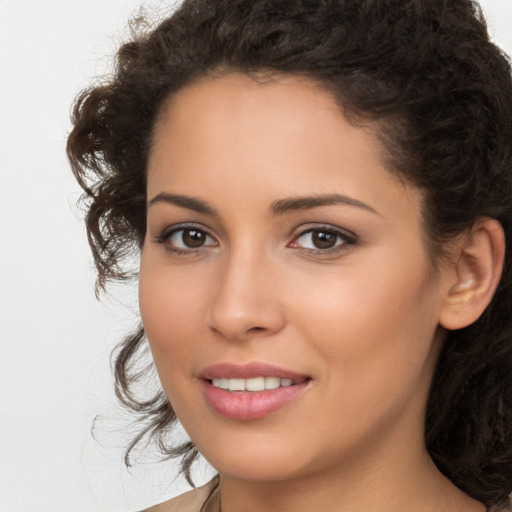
point(251, 391)
point(254, 384)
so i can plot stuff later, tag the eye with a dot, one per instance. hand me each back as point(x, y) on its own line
point(185, 239)
point(322, 239)
point(189, 238)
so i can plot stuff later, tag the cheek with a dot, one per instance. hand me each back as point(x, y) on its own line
point(171, 311)
point(375, 326)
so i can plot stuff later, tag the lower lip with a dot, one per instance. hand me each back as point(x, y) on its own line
point(250, 405)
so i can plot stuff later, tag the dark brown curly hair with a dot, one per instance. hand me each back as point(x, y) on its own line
point(425, 73)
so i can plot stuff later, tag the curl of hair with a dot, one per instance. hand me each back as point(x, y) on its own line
point(440, 94)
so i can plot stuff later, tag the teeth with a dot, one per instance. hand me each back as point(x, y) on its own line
point(254, 384)
point(236, 384)
point(222, 383)
point(272, 382)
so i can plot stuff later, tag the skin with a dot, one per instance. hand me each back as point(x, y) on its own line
point(362, 320)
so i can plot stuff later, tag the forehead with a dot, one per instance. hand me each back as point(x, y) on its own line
point(274, 138)
point(255, 102)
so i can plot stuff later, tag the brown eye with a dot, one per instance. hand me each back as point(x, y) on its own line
point(324, 239)
point(189, 238)
point(193, 238)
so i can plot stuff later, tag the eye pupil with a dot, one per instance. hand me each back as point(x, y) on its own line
point(324, 239)
point(193, 238)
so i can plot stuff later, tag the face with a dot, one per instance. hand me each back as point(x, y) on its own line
point(285, 263)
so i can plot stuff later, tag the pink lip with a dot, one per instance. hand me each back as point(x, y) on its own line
point(248, 371)
point(247, 405)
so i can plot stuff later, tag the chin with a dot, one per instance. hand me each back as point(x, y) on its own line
point(258, 470)
point(256, 459)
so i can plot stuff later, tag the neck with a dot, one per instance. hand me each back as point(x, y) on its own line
point(406, 480)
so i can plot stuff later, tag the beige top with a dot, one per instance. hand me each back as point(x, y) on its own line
point(202, 499)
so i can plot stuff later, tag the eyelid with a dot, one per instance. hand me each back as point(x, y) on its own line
point(306, 228)
point(168, 230)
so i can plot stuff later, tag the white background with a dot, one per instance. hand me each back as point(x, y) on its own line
point(55, 337)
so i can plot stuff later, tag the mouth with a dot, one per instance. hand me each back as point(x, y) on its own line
point(251, 391)
point(254, 384)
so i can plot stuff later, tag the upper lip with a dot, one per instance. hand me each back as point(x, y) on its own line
point(249, 371)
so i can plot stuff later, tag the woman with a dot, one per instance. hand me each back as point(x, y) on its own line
point(321, 194)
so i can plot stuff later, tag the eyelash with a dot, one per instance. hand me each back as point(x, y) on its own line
point(166, 236)
point(343, 241)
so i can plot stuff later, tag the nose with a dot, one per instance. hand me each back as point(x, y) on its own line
point(246, 299)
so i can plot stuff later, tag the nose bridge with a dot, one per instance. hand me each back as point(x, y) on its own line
point(245, 300)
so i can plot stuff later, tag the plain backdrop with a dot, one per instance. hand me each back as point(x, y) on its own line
point(55, 337)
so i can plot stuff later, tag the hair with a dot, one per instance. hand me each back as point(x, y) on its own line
point(439, 93)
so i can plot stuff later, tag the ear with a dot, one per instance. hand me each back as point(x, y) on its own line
point(477, 264)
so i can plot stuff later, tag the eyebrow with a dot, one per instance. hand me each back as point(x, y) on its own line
point(191, 203)
point(283, 206)
point(279, 207)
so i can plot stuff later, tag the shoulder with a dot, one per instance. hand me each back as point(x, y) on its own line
point(191, 501)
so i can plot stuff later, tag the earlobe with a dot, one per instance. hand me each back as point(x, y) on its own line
point(477, 267)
